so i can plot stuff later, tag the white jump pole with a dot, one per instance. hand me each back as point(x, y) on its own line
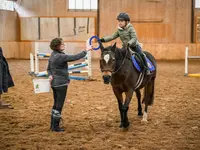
point(36, 58)
point(186, 61)
point(89, 58)
point(32, 63)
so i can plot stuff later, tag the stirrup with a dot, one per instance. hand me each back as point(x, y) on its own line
point(148, 72)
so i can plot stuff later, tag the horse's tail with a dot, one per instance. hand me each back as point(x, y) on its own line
point(149, 93)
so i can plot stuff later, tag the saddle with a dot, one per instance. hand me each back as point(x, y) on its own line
point(138, 62)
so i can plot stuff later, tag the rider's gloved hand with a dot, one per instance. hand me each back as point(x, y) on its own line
point(102, 40)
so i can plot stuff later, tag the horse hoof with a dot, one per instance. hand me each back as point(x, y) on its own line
point(126, 125)
point(144, 120)
point(140, 114)
point(121, 125)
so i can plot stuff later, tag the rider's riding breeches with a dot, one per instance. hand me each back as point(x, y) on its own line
point(138, 50)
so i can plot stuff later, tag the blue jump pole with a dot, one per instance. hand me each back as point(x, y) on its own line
point(44, 54)
point(78, 71)
point(77, 78)
point(42, 74)
point(77, 66)
point(70, 77)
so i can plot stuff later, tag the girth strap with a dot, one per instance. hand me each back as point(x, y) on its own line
point(140, 80)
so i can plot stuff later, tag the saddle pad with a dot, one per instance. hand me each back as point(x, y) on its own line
point(138, 67)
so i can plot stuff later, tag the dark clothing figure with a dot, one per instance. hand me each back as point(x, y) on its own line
point(58, 66)
point(58, 72)
point(6, 80)
point(59, 94)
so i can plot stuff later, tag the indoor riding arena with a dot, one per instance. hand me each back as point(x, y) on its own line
point(91, 118)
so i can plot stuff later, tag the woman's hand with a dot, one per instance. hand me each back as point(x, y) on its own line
point(50, 78)
point(89, 48)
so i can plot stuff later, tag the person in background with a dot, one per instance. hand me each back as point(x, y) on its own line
point(59, 77)
point(6, 80)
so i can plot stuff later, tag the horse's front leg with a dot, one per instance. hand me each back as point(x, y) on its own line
point(118, 94)
point(125, 107)
point(138, 95)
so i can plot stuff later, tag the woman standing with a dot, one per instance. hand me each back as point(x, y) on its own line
point(59, 78)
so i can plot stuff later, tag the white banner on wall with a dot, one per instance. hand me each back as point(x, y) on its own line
point(197, 3)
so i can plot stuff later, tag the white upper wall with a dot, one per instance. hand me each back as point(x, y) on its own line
point(197, 3)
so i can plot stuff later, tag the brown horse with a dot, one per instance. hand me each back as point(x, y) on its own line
point(118, 69)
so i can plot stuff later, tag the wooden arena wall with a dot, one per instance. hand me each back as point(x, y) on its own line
point(156, 21)
point(163, 26)
point(21, 50)
point(9, 26)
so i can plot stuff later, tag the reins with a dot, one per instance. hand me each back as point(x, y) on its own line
point(121, 64)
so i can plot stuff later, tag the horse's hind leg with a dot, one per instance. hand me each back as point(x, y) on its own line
point(144, 117)
point(119, 97)
point(138, 95)
point(148, 97)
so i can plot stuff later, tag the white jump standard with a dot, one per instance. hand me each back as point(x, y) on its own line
point(187, 57)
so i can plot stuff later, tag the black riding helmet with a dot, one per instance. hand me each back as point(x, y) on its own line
point(123, 17)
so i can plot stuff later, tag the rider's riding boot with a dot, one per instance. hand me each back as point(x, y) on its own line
point(147, 70)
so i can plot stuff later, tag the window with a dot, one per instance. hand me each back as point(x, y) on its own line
point(197, 3)
point(7, 5)
point(83, 4)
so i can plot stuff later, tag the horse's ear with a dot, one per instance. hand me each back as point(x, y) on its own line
point(101, 46)
point(114, 46)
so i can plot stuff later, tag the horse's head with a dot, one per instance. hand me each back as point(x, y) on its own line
point(107, 62)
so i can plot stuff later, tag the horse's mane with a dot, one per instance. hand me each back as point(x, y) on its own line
point(110, 47)
point(120, 52)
